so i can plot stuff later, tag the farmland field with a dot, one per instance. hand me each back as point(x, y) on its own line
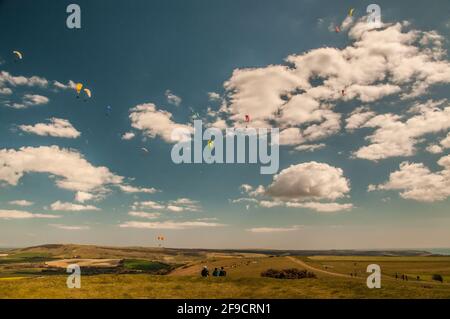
point(30, 274)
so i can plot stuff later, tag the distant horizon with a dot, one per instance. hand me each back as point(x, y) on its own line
point(427, 249)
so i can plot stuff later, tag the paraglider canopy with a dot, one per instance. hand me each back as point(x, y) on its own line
point(18, 54)
point(337, 29)
point(88, 92)
point(247, 118)
point(350, 12)
point(78, 87)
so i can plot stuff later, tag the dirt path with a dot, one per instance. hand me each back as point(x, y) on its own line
point(305, 265)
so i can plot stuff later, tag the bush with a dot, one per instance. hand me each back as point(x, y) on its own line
point(437, 277)
point(292, 273)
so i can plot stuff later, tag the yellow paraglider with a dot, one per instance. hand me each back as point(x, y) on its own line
point(78, 87)
point(88, 92)
point(18, 54)
point(350, 13)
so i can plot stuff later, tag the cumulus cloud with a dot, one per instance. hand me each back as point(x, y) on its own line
point(19, 214)
point(21, 202)
point(70, 207)
point(57, 128)
point(153, 122)
point(70, 170)
point(303, 185)
point(396, 136)
point(300, 97)
point(172, 98)
point(170, 225)
point(310, 180)
point(416, 181)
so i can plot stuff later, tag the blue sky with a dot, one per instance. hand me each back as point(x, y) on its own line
point(132, 54)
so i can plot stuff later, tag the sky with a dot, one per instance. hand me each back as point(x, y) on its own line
point(363, 115)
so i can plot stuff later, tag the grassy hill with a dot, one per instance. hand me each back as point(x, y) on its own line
point(139, 272)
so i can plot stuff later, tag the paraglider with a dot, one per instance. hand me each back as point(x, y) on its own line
point(108, 110)
point(88, 92)
point(247, 118)
point(210, 144)
point(160, 240)
point(144, 150)
point(78, 88)
point(350, 13)
point(19, 55)
point(337, 29)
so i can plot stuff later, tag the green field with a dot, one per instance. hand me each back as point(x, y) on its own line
point(24, 274)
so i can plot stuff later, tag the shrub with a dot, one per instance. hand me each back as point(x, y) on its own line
point(291, 273)
point(438, 277)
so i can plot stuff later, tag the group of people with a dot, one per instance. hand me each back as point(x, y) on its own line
point(216, 273)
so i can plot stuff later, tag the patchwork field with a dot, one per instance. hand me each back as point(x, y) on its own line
point(39, 272)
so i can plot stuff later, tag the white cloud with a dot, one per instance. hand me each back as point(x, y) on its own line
point(322, 207)
point(147, 205)
point(67, 227)
point(310, 180)
point(19, 214)
point(213, 96)
point(72, 170)
point(70, 207)
point(177, 206)
point(300, 98)
point(310, 147)
point(358, 117)
point(434, 149)
point(273, 229)
point(85, 196)
point(302, 186)
point(57, 128)
point(33, 81)
point(68, 168)
point(29, 100)
point(132, 189)
point(153, 122)
point(172, 98)
point(128, 136)
point(144, 215)
point(21, 202)
point(417, 182)
point(394, 137)
point(70, 85)
point(170, 225)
